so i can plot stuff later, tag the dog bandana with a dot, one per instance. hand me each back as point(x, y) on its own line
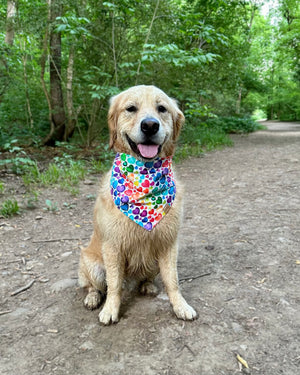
point(143, 191)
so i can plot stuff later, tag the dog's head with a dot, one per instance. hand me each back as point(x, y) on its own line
point(144, 122)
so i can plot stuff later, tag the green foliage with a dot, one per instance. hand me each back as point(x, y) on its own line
point(172, 54)
point(9, 208)
point(103, 161)
point(51, 206)
point(2, 187)
point(230, 125)
point(65, 172)
point(197, 139)
point(31, 199)
point(201, 136)
point(218, 58)
point(19, 161)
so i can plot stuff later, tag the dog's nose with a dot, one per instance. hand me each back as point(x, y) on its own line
point(149, 126)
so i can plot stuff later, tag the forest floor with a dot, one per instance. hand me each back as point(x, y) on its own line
point(239, 266)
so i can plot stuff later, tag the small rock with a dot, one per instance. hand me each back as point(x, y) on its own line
point(283, 302)
point(63, 284)
point(237, 328)
point(66, 254)
point(88, 182)
point(87, 345)
point(246, 371)
point(163, 296)
point(209, 247)
point(38, 217)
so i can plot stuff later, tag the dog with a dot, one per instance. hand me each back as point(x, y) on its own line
point(138, 209)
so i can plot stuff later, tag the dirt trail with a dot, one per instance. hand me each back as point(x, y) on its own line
point(240, 230)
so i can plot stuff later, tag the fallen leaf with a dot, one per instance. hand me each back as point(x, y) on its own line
point(77, 225)
point(242, 361)
point(297, 261)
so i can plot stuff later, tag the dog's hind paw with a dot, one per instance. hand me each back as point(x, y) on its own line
point(92, 300)
point(148, 289)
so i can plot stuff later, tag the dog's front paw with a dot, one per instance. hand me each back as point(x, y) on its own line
point(109, 314)
point(184, 311)
point(92, 300)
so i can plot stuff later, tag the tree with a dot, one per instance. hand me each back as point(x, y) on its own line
point(58, 116)
point(217, 57)
point(10, 18)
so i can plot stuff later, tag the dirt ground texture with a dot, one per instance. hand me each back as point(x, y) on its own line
point(238, 265)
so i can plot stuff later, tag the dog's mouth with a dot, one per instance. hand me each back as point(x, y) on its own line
point(147, 150)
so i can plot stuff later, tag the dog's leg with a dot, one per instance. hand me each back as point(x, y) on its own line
point(114, 279)
point(91, 275)
point(168, 270)
point(92, 299)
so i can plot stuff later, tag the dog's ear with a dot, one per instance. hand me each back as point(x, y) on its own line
point(178, 120)
point(112, 120)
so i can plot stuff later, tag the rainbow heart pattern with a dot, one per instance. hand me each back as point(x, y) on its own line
point(143, 191)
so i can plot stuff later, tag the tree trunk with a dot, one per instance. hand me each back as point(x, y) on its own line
point(239, 101)
point(58, 116)
point(9, 41)
point(10, 29)
point(44, 58)
point(24, 60)
point(70, 106)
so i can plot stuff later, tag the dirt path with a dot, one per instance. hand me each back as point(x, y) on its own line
point(241, 229)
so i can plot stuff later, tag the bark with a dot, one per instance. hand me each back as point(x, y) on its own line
point(58, 116)
point(70, 105)
point(10, 30)
point(24, 60)
point(43, 68)
point(238, 102)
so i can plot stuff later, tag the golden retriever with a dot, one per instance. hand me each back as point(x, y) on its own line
point(144, 123)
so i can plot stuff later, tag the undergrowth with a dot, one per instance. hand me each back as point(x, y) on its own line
point(67, 170)
point(64, 172)
point(211, 134)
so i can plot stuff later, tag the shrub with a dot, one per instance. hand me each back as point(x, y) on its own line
point(233, 124)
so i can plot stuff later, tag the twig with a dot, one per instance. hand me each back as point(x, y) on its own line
point(61, 239)
point(194, 277)
point(20, 290)
point(146, 41)
point(5, 312)
point(12, 261)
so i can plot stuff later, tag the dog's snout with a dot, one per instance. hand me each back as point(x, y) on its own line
point(150, 126)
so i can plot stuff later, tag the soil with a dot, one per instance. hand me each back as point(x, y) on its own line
point(239, 266)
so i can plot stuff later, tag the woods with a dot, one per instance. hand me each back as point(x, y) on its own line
point(61, 60)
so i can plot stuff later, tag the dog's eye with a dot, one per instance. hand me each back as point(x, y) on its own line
point(161, 109)
point(131, 108)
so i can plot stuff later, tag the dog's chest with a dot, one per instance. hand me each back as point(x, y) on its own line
point(141, 249)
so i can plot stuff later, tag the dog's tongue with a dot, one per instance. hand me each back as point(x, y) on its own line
point(148, 151)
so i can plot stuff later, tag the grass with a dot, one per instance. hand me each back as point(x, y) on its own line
point(9, 208)
point(65, 173)
point(2, 187)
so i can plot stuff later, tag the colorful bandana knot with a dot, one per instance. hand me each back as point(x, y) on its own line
point(143, 191)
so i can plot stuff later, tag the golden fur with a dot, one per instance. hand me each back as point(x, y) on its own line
point(119, 248)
